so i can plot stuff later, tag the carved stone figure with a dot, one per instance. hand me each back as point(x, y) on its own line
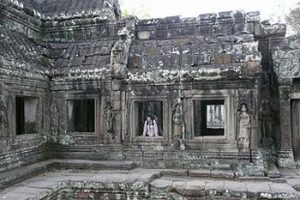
point(265, 117)
point(177, 122)
point(109, 119)
point(119, 54)
point(244, 128)
point(55, 120)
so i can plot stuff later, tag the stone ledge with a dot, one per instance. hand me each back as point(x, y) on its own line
point(143, 183)
point(10, 177)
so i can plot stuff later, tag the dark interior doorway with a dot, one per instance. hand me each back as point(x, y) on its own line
point(296, 128)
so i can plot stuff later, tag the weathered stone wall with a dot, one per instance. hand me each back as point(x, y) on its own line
point(285, 57)
point(59, 51)
point(204, 46)
point(23, 73)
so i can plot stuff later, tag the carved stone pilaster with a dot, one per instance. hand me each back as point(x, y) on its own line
point(4, 134)
point(285, 155)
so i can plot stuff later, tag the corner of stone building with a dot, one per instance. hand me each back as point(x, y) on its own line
point(270, 37)
point(284, 62)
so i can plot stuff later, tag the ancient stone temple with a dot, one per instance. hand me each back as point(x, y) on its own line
point(215, 96)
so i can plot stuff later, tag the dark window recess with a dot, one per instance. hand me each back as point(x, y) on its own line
point(26, 115)
point(209, 118)
point(81, 115)
point(155, 109)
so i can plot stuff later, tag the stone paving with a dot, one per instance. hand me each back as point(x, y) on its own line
point(40, 186)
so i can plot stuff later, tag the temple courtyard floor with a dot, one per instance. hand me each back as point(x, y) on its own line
point(137, 183)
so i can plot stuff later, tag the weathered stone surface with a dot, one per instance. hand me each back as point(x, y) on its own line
point(200, 173)
point(61, 51)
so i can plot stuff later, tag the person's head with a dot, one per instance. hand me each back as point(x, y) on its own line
point(243, 108)
point(148, 117)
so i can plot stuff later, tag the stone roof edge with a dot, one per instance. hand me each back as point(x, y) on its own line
point(207, 18)
point(20, 6)
point(58, 17)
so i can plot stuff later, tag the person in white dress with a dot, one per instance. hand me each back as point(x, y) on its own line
point(150, 127)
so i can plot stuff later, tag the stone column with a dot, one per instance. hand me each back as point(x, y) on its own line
point(285, 154)
point(117, 108)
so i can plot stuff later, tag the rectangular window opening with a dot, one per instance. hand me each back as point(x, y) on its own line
point(154, 127)
point(81, 115)
point(209, 118)
point(26, 115)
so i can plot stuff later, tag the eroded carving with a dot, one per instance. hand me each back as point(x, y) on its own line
point(119, 54)
point(110, 118)
point(244, 131)
point(265, 117)
point(177, 122)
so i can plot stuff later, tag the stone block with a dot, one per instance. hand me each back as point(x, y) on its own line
point(215, 187)
point(160, 183)
point(235, 189)
point(222, 29)
point(208, 17)
point(228, 38)
point(286, 159)
point(205, 30)
point(223, 58)
point(135, 61)
point(245, 38)
point(190, 30)
point(258, 187)
point(238, 14)
point(225, 14)
point(252, 16)
point(282, 188)
point(116, 85)
point(144, 35)
point(273, 172)
point(239, 28)
point(172, 19)
point(174, 172)
point(200, 173)
point(222, 174)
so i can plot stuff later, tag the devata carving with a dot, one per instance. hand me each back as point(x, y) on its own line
point(110, 118)
point(177, 122)
point(55, 120)
point(265, 117)
point(244, 130)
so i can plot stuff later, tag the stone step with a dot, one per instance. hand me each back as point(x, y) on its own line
point(13, 176)
point(93, 165)
point(217, 174)
point(222, 189)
